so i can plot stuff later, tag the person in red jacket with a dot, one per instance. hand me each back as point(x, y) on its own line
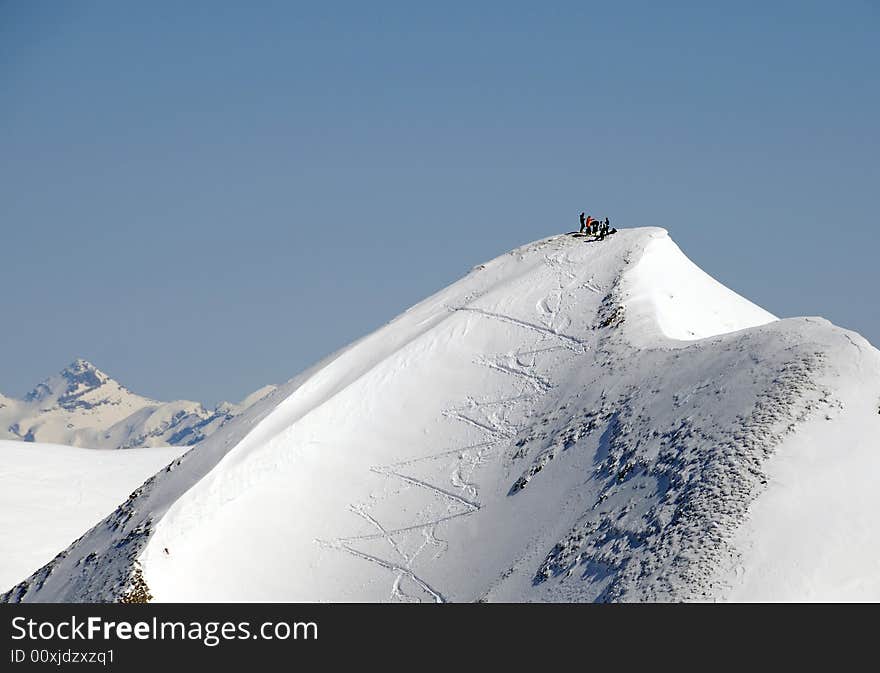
point(585, 227)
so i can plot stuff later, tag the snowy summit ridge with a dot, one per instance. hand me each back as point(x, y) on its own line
point(575, 420)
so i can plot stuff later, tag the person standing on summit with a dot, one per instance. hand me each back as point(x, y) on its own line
point(585, 227)
point(582, 222)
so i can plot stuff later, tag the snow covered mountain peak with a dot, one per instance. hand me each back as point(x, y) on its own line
point(83, 375)
point(574, 420)
point(81, 367)
point(84, 406)
point(75, 387)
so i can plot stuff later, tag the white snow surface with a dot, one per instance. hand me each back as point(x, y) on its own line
point(813, 536)
point(572, 421)
point(50, 494)
point(667, 291)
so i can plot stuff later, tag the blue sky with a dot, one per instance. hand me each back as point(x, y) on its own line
point(205, 197)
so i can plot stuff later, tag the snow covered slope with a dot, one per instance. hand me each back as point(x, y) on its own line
point(50, 494)
point(574, 420)
point(813, 535)
point(83, 406)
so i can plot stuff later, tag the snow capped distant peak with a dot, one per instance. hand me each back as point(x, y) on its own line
point(82, 367)
point(79, 365)
point(84, 406)
point(72, 383)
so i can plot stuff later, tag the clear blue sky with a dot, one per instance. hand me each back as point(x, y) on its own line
point(205, 197)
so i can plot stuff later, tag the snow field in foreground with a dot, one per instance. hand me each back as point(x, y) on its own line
point(51, 494)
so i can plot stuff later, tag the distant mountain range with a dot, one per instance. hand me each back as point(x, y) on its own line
point(83, 406)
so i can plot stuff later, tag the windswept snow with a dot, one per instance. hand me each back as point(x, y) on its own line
point(50, 494)
point(574, 420)
point(668, 291)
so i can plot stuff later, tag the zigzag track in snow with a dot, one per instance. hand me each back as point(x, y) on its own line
point(567, 338)
point(488, 417)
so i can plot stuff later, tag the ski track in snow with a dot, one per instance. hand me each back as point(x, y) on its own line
point(521, 365)
point(573, 342)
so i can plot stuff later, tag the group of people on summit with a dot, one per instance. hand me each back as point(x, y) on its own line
point(597, 228)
